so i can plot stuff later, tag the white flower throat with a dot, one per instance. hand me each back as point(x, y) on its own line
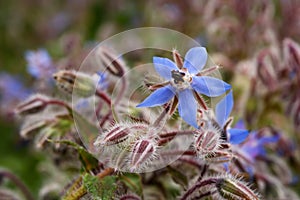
point(181, 79)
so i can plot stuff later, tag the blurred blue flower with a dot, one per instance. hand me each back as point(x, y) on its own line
point(183, 81)
point(12, 90)
point(39, 63)
point(223, 109)
point(255, 144)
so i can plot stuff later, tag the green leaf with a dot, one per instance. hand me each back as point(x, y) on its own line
point(108, 187)
point(133, 182)
point(178, 177)
point(92, 185)
point(103, 189)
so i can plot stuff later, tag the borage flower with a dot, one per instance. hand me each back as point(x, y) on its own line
point(223, 109)
point(184, 81)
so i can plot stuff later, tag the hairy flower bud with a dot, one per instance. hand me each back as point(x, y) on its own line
point(79, 83)
point(235, 189)
point(143, 151)
point(207, 141)
point(119, 133)
point(34, 104)
point(114, 65)
point(114, 136)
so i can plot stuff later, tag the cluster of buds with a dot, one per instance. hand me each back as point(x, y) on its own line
point(132, 145)
point(280, 76)
point(221, 187)
point(136, 144)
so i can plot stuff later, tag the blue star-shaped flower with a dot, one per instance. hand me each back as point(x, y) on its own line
point(184, 81)
point(223, 110)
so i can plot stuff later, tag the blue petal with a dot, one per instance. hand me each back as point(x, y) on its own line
point(159, 97)
point(224, 108)
point(209, 86)
point(271, 139)
point(253, 151)
point(240, 124)
point(187, 107)
point(164, 66)
point(237, 135)
point(195, 59)
point(34, 71)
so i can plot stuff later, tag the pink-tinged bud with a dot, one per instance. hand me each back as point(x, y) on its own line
point(30, 129)
point(120, 133)
point(113, 64)
point(230, 188)
point(292, 55)
point(207, 141)
point(265, 70)
point(115, 136)
point(142, 152)
point(34, 104)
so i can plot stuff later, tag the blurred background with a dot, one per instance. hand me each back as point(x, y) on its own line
point(255, 42)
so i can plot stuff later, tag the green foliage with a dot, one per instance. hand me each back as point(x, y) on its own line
point(103, 189)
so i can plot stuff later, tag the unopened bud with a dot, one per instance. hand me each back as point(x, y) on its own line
point(114, 65)
point(115, 136)
point(265, 70)
point(119, 133)
point(235, 189)
point(78, 83)
point(143, 151)
point(33, 128)
point(292, 55)
point(207, 141)
point(34, 104)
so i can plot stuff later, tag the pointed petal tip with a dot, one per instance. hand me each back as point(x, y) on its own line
point(238, 136)
point(227, 86)
point(195, 59)
point(139, 105)
point(158, 97)
point(164, 66)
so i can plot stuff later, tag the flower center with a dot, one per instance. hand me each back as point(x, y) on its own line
point(181, 78)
